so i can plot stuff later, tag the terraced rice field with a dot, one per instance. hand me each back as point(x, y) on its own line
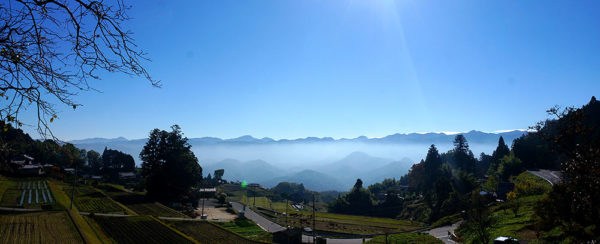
point(341, 223)
point(88, 199)
point(39, 227)
point(138, 229)
point(139, 204)
point(206, 232)
point(247, 229)
point(27, 194)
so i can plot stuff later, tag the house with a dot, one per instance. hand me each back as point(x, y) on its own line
point(207, 192)
point(23, 165)
point(31, 169)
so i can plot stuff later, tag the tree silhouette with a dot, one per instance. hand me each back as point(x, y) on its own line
point(463, 157)
point(169, 166)
point(501, 151)
point(574, 204)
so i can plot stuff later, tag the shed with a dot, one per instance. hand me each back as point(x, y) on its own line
point(288, 236)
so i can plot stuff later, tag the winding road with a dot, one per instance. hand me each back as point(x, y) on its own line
point(261, 221)
point(553, 177)
point(442, 233)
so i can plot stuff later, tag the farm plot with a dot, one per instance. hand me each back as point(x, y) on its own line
point(207, 232)
point(137, 229)
point(27, 194)
point(140, 204)
point(341, 223)
point(39, 227)
point(88, 199)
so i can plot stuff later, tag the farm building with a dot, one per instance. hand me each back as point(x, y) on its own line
point(207, 192)
point(22, 165)
point(127, 175)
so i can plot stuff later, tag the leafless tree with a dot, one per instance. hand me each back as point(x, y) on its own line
point(51, 49)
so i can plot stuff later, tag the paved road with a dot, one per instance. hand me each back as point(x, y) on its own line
point(309, 239)
point(20, 209)
point(442, 232)
point(106, 214)
point(269, 226)
point(551, 176)
point(261, 221)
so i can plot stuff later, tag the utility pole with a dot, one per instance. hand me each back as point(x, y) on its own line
point(313, 230)
point(287, 202)
point(254, 193)
point(202, 216)
point(73, 191)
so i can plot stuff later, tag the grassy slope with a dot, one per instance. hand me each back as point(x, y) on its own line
point(350, 224)
point(406, 238)
point(356, 219)
point(4, 185)
point(506, 222)
point(208, 232)
point(247, 229)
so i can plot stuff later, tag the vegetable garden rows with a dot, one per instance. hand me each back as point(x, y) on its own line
point(90, 200)
point(35, 188)
point(137, 229)
point(139, 204)
point(39, 227)
point(27, 193)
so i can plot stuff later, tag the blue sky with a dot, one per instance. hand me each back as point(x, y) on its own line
point(289, 69)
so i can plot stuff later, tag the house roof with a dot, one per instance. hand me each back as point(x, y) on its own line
point(207, 189)
point(31, 166)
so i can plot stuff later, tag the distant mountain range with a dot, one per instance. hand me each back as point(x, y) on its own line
point(433, 138)
point(337, 173)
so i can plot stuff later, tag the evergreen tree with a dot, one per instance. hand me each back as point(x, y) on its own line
point(94, 161)
point(431, 166)
point(463, 157)
point(358, 201)
point(169, 166)
point(501, 151)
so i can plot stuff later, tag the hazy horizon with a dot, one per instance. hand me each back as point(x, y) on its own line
point(291, 69)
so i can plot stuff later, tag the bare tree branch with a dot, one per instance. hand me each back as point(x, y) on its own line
point(49, 49)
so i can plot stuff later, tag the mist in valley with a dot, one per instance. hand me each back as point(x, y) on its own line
point(318, 163)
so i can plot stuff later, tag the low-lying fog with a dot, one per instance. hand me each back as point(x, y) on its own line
point(307, 156)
